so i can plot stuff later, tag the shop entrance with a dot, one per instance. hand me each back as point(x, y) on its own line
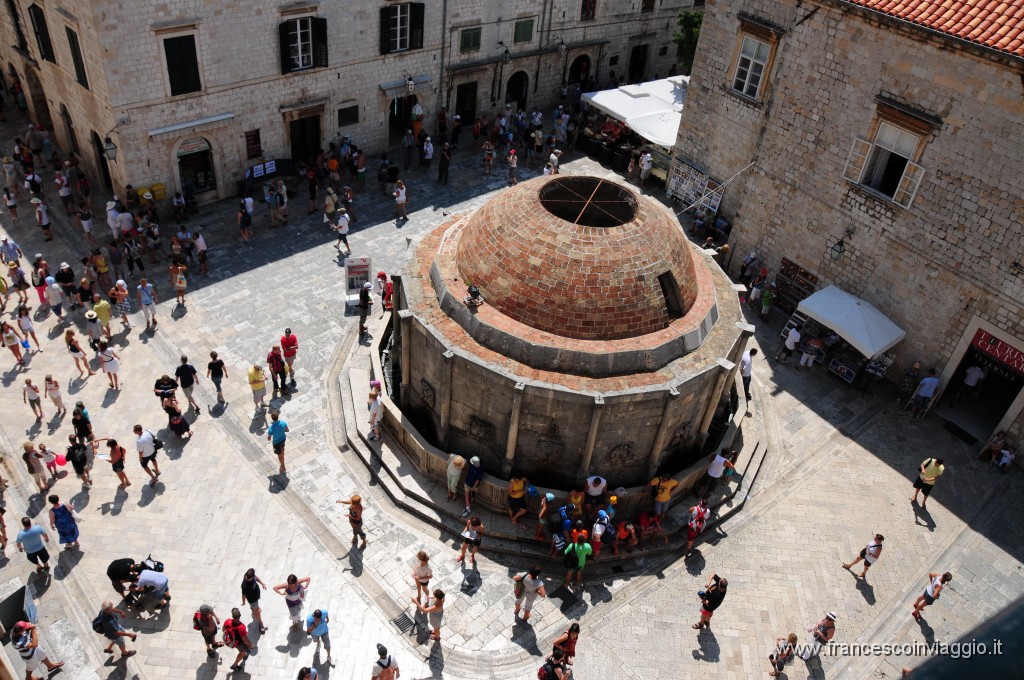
point(195, 166)
point(305, 138)
point(101, 160)
point(638, 64)
point(999, 369)
point(400, 118)
point(516, 90)
point(465, 103)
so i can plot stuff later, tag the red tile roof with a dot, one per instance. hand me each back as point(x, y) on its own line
point(997, 24)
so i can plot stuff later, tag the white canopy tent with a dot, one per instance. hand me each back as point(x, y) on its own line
point(652, 110)
point(866, 329)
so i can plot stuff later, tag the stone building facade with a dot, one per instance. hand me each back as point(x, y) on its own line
point(897, 134)
point(202, 90)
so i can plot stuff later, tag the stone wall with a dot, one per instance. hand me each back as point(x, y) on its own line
point(931, 268)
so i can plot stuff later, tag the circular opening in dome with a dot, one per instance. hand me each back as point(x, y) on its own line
point(588, 201)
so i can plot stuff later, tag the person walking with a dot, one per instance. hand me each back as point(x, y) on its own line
point(119, 294)
point(926, 391)
point(103, 311)
point(711, 598)
point(936, 582)
point(12, 340)
point(698, 517)
point(25, 324)
point(472, 537)
point(54, 297)
point(355, 518)
point(176, 421)
point(178, 281)
point(33, 396)
point(421, 575)
point(276, 364)
point(340, 223)
point(444, 162)
point(187, 374)
point(146, 445)
point(31, 540)
point(290, 348)
point(869, 555)
point(33, 460)
point(111, 364)
point(107, 624)
point(513, 165)
point(216, 371)
point(317, 627)
point(146, 296)
point(575, 559)
point(236, 636)
point(554, 666)
point(207, 623)
point(25, 639)
point(277, 434)
point(384, 668)
point(746, 373)
point(64, 522)
point(527, 587)
point(401, 201)
point(77, 455)
point(930, 471)
point(81, 362)
point(82, 424)
point(244, 222)
point(117, 455)
point(251, 587)
point(566, 642)
point(258, 383)
point(294, 592)
point(435, 613)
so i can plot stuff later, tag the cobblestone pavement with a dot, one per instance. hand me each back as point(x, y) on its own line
point(838, 470)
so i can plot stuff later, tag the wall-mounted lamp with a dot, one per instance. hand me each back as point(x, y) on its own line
point(109, 148)
point(837, 250)
point(505, 57)
point(410, 84)
point(562, 47)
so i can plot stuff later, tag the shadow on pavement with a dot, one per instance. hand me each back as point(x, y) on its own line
point(707, 647)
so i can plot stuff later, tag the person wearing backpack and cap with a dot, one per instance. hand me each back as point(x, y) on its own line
point(207, 623)
point(474, 477)
point(384, 668)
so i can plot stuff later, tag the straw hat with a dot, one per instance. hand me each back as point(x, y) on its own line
point(7, 159)
point(90, 315)
point(148, 196)
point(37, 201)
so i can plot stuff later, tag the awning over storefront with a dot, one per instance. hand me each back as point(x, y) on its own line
point(652, 110)
point(857, 322)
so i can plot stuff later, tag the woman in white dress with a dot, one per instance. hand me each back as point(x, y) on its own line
point(111, 365)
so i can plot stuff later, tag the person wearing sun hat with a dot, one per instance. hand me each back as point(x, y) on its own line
point(43, 216)
point(822, 633)
point(474, 477)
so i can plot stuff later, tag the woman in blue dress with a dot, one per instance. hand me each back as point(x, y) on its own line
point(62, 519)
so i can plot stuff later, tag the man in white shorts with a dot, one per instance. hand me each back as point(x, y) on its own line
point(147, 301)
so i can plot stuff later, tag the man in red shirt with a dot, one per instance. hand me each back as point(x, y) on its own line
point(275, 362)
point(290, 347)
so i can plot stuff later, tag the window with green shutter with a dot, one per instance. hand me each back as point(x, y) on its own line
point(469, 40)
point(523, 31)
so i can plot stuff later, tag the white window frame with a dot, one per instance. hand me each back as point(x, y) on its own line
point(749, 63)
point(301, 48)
point(400, 28)
point(863, 151)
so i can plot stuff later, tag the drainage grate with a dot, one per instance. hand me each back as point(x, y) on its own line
point(404, 623)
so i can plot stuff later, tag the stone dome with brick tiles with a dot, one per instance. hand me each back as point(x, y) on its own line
point(579, 257)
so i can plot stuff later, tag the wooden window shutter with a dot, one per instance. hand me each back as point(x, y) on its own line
point(285, 31)
point(319, 42)
point(385, 30)
point(416, 26)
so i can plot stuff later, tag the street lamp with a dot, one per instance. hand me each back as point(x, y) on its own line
point(837, 250)
point(109, 148)
point(562, 47)
point(410, 84)
point(505, 57)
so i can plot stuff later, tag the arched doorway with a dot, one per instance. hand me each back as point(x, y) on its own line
point(516, 90)
point(579, 70)
point(101, 160)
point(38, 108)
point(69, 128)
point(195, 166)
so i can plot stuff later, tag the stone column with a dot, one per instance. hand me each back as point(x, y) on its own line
point(513, 431)
point(588, 452)
point(444, 408)
point(724, 370)
point(405, 321)
point(661, 438)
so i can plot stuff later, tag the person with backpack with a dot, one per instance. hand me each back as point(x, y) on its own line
point(77, 455)
point(602, 532)
point(527, 587)
point(236, 636)
point(698, 518)
point(107, 625)
point(207, 623)
point(554, 667)
point(384, 668)
point(34, 183)
point(575, 559)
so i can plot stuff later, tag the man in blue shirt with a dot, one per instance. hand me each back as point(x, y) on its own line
point(30, 541)
point(316, 625)
point(926, 389)
point(277, 434)
point(146, 294)
point(155, 580)
point(474, 476)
